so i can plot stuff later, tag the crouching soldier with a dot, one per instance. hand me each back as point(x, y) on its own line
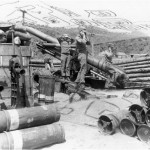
point(115, 74)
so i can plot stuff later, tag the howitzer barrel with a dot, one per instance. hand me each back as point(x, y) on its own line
point(120, 77)
point(32, 138)
point(23, 36)
point(37, 33)
point(28, 117)
point(101, 65)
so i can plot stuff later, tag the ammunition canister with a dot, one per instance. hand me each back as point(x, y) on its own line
point(28, 117)
point(32, 138)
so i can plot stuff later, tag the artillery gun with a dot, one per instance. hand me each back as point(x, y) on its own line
point(52, 47)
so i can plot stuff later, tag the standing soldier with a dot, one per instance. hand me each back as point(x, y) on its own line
point(81, 45)
point(65, 42)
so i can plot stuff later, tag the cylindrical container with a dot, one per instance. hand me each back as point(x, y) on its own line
point(28, 117)
point(145, 97)
point(41, 99)
point(147, 117)
point(32, 138)
point(127, 127)
point(143, 133)
point(108, 123)
point(47, 88)
point(138, 114)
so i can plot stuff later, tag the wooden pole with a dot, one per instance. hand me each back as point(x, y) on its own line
point(125, 61)
point(134, 63)
point(141, 70)
point(137, 66)
point(136, 75)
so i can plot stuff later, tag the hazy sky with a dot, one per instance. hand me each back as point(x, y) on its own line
point(134, 10)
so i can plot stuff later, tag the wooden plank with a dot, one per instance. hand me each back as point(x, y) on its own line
point(6, 49)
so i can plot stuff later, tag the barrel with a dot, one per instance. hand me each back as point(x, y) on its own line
point(32, 138)
point(46, 89)
point(143, 133)
point(145, 97)
point(28, 117)
point(110, 122)
point(127, 127)
point(147, 117)
point(137, 114)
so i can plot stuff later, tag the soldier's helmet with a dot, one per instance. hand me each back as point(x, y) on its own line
point(112, 46)
point(65, 35)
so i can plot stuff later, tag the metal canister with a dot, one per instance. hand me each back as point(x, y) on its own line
point(143, 133)
point(32, 138)
point(127, 127)
point(28, 117)
point(110, 122)
point(147, 117)
point(137, 114)
point(46, 89)
point(145, 97)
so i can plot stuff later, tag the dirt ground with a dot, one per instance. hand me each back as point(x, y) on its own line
point(79, 120)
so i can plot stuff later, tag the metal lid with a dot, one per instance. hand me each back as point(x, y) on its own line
point(105, 125)
point(138, 113)
point(143, 133)
point(145, 97)
point(127, 127)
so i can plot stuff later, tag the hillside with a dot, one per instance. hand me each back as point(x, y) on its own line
point(128, 43)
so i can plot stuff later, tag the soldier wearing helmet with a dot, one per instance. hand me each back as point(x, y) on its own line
point(81, 45)
point(65, 42)
point(2, 37)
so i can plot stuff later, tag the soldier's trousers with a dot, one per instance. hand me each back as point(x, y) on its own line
point(81, 74)
point(65, 65)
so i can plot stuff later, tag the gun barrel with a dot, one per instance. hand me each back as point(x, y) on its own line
point(37, 33)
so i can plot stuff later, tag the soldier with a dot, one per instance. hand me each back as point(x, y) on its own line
point(81, 45)
point(2, 37)
point(106, 58)
point(49, 66)
point(65, 42)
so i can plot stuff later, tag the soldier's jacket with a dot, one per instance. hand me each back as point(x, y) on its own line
point(106, 56)
point(81, 44)
point(65, 45)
